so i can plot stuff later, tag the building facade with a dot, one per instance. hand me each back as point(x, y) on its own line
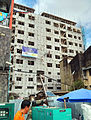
point(53, 38)
point(4, 57)
point(86, 68)
point(79, 68)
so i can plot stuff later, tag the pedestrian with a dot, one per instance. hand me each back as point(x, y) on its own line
point(25, 106)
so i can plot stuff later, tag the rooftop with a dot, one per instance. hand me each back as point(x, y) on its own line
point(58, 18)
point(22, 7)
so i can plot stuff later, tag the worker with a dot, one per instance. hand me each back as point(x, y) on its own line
point(25, 106)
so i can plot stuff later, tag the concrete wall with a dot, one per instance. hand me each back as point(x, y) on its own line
point(79, 69)
point(66, 75)
point(4, 56)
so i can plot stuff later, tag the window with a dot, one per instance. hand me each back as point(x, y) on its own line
point(30, 62)
point(58, 73)
point(39, 87)
point(63, 26)
point(58, 80)
point(30, 71)
point(70, 43)
point(19, 70)
point(74, 30)
point(79, 38)
point(57, 48)
point(47, 22)
point(12, 60)
point(18, 78)
point(64, 49)
point(75, 37)
point(86, 86)
point(63, 41)
point(57, 65)
point(76, 52)
point(30, 43)
point(21, 15)
point(76, 44)
point(50, 87)
point(56, 32)
point(49, 80)
point(20, 41)
point(10, 78)
point(30, 79)
point(13, 29)
point(10, 88)
point(69, 35)
point(48, 38)
point(57, 57)
point(31, 17)
point(56, 25)
point(49, 64)
point(48, 46)
point(31, 34)
point(31, 25)
point(49, 55)
point(69, 28)
point(21, 23)
point(48, 30)
point(71, 51)
point(18, 61)
point(80, 45)
point(63, 33)
point(19, 51)
point(78, 31)
point(49, 72)
point(12, 39)
point(20, 31)
point(18, 87)
point(30, 87)
point(56, 40)
point(59, 88)
point(90, 72)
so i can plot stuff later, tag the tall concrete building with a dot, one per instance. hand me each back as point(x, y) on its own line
point(48, 38)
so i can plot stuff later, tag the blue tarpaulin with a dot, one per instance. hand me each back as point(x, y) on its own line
point(81, 95)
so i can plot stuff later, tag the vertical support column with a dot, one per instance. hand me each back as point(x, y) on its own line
point(11, 16)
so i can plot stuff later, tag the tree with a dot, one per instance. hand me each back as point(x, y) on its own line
point(78, 84)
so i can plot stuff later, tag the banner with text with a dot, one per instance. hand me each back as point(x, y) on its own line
point(29, 52)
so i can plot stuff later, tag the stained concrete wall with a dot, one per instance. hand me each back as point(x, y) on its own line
point(4, 56)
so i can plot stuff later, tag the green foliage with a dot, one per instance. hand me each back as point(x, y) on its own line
point(78, 84)
point(11, 97)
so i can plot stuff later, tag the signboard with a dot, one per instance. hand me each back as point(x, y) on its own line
point(6, 12)
point(29, 52)
point(3, 16)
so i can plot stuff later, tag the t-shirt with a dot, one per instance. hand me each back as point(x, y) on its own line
point(19, 116)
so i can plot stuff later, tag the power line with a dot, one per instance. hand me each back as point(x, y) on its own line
point(44, 76)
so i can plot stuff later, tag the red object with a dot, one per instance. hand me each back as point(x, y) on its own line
point(11, 15)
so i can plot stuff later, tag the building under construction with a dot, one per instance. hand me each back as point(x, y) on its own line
point(39, 42)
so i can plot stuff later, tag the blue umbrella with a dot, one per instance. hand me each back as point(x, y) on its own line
point(81, 95)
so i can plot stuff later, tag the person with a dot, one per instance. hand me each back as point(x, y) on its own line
point(25, 106)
